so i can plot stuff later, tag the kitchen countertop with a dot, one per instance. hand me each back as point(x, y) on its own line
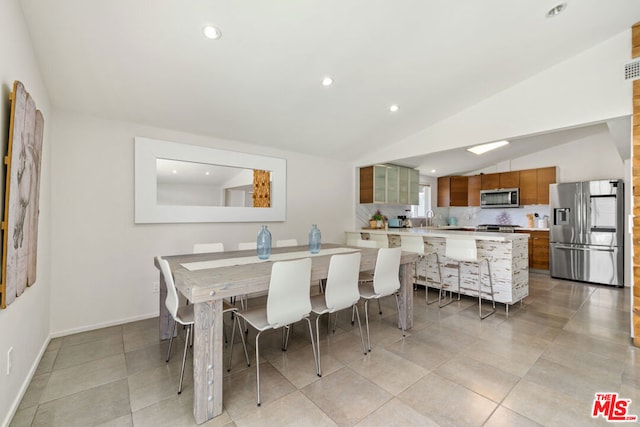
point(447, 231)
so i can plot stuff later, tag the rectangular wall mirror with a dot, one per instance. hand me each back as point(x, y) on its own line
point(187, 183)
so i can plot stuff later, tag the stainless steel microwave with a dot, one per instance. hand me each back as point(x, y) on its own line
point(500, 198)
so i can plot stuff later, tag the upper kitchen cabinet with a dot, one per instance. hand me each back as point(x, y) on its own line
point(393, 176)
point(490, 181)
point(454, 191)
point(473, 190)
point(444, 191)
point(459, 191)
point(509, 179)
point(390, 184)
point(534, 185)
point(546, 176)
point(408, 186)
point(373, 184)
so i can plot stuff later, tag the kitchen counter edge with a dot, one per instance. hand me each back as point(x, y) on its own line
point(477, 235)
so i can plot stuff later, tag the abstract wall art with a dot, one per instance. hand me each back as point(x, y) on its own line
point(22, 194)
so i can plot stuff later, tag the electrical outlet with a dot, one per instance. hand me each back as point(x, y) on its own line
point(9, 360)
point(156, 287)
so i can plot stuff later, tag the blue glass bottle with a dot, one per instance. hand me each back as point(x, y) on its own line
point(264, 243)
point(314, 239)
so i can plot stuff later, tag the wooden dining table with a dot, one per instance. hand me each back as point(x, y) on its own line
point(206, 279)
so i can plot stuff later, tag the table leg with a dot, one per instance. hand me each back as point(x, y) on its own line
point(207, 360)
point(406, 294)
point(166, 322)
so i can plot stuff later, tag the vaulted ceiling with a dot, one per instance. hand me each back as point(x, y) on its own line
point(147, 61)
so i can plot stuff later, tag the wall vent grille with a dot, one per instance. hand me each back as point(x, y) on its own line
point(632, 70)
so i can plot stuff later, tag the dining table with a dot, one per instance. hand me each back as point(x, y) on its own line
point(206, 279)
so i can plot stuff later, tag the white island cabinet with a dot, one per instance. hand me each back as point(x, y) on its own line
point(508, 254)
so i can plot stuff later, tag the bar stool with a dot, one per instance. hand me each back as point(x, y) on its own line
point(465, 251)
point(416, 244)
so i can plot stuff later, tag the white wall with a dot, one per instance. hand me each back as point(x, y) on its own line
point(24, 325)
point(587, 88)
point(103, 262)
point(585, 159)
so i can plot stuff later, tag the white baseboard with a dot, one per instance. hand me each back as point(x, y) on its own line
point(25, 385)
point(87, 328)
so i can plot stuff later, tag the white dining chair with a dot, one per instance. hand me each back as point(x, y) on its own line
point(243, 246)
point(184, 316)
point(341, 292)
point(288, 301)
point(286, 243)
point(201, 248)
point(416, 244)
point(461, 251)
point(386, 282)
point(367, 276)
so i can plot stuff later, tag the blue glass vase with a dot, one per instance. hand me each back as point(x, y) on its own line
point(264, 243)
point(314, 239)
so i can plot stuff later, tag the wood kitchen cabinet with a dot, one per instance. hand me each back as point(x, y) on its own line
point(538, 249)
point(546, 176)
point(534, 185)
point(444, 190)
point(490, 181)
point(459, 191)
point(529, 187)
point(509, 179)
point(373, 184)
point(473, 190)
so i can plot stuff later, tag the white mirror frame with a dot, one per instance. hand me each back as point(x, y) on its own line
point(147, 210)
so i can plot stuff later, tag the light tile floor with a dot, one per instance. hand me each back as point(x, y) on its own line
point(540, 366)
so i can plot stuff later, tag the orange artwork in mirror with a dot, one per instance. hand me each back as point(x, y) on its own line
point(261, 189)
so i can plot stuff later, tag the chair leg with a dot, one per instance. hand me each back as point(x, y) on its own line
point(426, 290)
point(316, 358)
point(258, 366)
point(285, 337)
point(379, 309)
point(450, 295)
point(319, 369)
point(480, 292)
point(244, 344)
point(184, 357)
point(355, 308)
point(399, 314)
point(366, 317)
point(173, 332)
point(335, 321)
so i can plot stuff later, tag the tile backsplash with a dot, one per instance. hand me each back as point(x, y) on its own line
point(463, 215)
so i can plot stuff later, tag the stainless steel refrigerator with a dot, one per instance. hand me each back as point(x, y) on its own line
point(586, 231)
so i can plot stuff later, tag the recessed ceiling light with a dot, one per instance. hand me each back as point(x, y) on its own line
point(394, 108)
point(212, 32)
point(327, 81)
point(556, 10)
point(207, 173)
point(483, 148)
point(433, 171)
point(174, 172)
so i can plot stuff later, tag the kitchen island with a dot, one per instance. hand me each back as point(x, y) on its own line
point(507, 252)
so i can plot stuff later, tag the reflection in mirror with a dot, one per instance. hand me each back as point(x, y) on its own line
point(187, 183)
point(203, 184)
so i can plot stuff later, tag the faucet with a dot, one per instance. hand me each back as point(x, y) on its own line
point(429, 218)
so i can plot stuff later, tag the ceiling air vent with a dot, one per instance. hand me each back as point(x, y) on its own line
point(632, 70)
